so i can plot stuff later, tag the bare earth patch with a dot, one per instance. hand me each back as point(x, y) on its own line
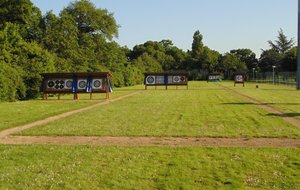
point(155, 141)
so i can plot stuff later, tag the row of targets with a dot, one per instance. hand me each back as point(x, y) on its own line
point(165, 80)
point(54, 84)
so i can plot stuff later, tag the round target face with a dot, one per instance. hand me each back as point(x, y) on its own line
point(61, 82)
point(182, 78)
point(176, 79)
point(57, 82)
point(69, 84)
point(82, 84)
point(51, 84)
point(97, 83)
point(61, 86)
point(239, 78)
point(57, 86)
point(150, 79)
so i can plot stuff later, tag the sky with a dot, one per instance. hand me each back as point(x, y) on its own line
point(224, 24)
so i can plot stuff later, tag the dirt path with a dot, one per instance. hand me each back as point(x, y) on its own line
point(155, 141)
point(11, 131)
point(271, 110)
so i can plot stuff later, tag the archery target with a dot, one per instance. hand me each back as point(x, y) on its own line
point(50, 84)
point(97, 84)
point(176, 79)
point(68, 83)
point(81, 84)
point(239, 78)
point(182, 79)
point(160, 80)
point(150, 79)
point(56, 84)
point(170, 79)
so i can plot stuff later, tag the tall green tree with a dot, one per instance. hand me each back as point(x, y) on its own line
point(24, 14)
point(289, 62)
point(270, 58)
point(197, 51)
point(92, 20)
point(282, 44)
point(247, 56)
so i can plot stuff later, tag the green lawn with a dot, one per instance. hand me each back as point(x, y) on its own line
point(284, 98)
point(206, 109)
point(13, 114)
point(90, 167)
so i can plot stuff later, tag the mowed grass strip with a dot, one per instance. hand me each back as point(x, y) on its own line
point(89, 167)
point(283, 98)
point(204, 110)
point(13, 114)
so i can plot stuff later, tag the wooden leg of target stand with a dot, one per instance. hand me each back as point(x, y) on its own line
point(45, 96)
point(76, 96)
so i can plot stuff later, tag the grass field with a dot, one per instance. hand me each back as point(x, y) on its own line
point(284, 98)
point(205, 110)
point(88, 167)
point(13, 114)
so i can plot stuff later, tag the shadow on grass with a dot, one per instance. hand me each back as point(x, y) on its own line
point(238, 103)
point(249, 103)
point(284, 114)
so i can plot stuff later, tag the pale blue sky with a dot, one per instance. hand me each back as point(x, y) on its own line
point(224, 24)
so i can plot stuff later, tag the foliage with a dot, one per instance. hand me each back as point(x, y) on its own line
point(282, 55)
point(282, 44)
point(23, 13)
point(247, 56)
point(81, 39)
point(270, 58)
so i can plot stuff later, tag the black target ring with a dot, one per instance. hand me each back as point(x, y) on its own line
point(176, 79)
point(69, 84)
point(51, 84)
point(150, 79)
point(97, 84)
point(82, 84)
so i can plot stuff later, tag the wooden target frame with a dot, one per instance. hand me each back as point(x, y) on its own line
point(76, 83)
point(166, 79)
point(239, 78)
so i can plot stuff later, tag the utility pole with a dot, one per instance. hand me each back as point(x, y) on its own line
point(298, 55)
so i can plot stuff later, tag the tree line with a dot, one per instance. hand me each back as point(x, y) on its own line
point(81, 39)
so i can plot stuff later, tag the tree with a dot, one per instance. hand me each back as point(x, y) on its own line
point(282, 44)
point(231, 63)
point(147, 63)
point(197, 51)
point(247, 56)
point(270, 58)
point(289, 62)
point(211, 59)
point(24, 14)
point(93, 21)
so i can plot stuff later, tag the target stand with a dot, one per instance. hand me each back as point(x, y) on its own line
point(166, 79)
point(239, 78)
point(76, 83)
